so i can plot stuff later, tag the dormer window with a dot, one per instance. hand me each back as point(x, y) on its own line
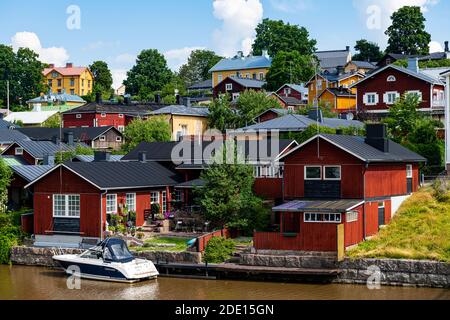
point(391, 79)
point(18, 151)
point(229, 86)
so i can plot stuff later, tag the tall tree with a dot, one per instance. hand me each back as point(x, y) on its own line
point(5, 179)
point(102, 77)
point(407, 34)
point(289, 67)
point(151, 130)
point(221, 116)
point(198, 66)
point(24, 72)
point(276, 36)
point(251, 104)
point(367, 51)
point(150, 74)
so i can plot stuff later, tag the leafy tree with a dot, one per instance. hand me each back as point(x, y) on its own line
point(5, 180)
point(407, 34)
point(442, 63)
point(102, 78)
point(251, 104)
point(218, 250)
point(312, 131)
point(150, 74)
point(24, 72)
point(198, 66)
point(367, 51)
point(221, 115)
point(276, 36)
point(289, 67)
point(53, 122)
point(168, 91)
point(228, 199)
point(151, 130)
point(80, 150)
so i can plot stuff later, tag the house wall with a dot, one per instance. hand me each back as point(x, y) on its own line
point(110, 143)
point(312, 88)
point(96, 120)
point(269, 188)
point(225, 74)
point(294, 93)
point(26, 156)
point(350, 81)
point(267, 116)
point(237, 88)
point(79, 88)
point(71, 121)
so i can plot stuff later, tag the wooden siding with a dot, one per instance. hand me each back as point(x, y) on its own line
point(26, 156)
point(269, 188)
point(354, 233)
point(267, 116)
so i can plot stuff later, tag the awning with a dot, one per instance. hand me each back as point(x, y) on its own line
point(332, 206)
point(199, 183)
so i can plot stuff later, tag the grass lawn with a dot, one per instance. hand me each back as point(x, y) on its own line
point(420, 230)
point(157, 244)
point(243, 241)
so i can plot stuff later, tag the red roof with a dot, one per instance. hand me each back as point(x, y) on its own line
point(71, 71)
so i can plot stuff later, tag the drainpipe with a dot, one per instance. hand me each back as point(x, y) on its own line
point(101, 213)
point(364, 205)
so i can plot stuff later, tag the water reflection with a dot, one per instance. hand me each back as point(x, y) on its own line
point(41, 283)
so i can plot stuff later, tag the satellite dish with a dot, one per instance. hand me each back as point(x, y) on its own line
point(350, 116)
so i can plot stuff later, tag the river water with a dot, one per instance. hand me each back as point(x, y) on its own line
point(34, 283)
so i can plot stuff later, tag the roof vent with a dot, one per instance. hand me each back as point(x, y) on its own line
point(446, 46)
point(377, 137)
point(316, 114)
point(142, 156)
point(69, 65)
point(48, 160)
point(102, 156)
point(413, 65)
point(98, 98)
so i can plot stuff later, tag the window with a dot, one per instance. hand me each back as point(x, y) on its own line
point(391, 79)
point(18, 151)
point(322, 217)
point(268, 171)
point(154, 197)
point(313, 173)
point(72, 82)
point(66, 206)
point(254, 76)
point(352, 216)
point(229, 86)
point(82, 82)
point(121, 128)
point(103, 115)
point(236, 96)
point(164, 201)
point(287, 91)
point(102, 138)
point(417, 93)
point(111, 203)
point(371, 98)
point(54, 74)
point(78, 116)
point(238, 74)
point(131, 201)
point(381, 205)
point(409, 171)
point(72, 91)
point(120, 115)
point(178, 196)
point(184, 129)
point(391, 97)
point(319, 84)
point(219, 78)
point(247, 75)
point(290, 108)
point(118, 139)
point(89, 83)
point(59, 82)
point(332, 173)
point(261, 76)
point(50, 83)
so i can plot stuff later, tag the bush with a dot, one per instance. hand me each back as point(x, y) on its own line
point(6, 243)
point(440, 190)
point(218, 250)
point(140, 235)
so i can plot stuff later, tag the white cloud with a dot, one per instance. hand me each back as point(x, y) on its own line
point(55, 55)
point(119, 75)
point(289, 6)
point(177, 57)
point(101, 45)
point(436, 47)
point(125, 58)
point(239, 20)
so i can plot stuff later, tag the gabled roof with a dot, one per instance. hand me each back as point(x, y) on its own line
point(30, 117)
point(357, 147)
point(11, 135)
point(89, 158)
point(363, 64)
point(236, 63)
point(72, 71)
point(79, 134)
point(30, 173)
point(197, 183)
point(279, 112)
point(120, 175)
point(419, 75)
point(206, 84)
point(6, 124)
point(296, 122)
point(63, 97)
point(397, 56)
point(293, 101)
point(333, 58)
point(248, 83)
point(297, 87)
point(182, 111)
point(132, 109)
point(339, 92)
point(332, 206)
point(38, 149)
point(335, 77)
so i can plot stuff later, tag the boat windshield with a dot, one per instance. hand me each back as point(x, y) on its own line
point(117, 250)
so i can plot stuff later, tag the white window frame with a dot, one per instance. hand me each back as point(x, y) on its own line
point(416, 92)
point(133, 199)
point(78, 116)
point(307, 217)
point(228, 86)
point(388, 94)
point(236, 96)
point(319, 84)
point(67, 208)
point(153, 193)
point(18, 151)
point(219, 78)
point(287, 91)
point(381, 205)
point(118, 139)
point(102, 138)
point(121, 128)
point(391, 78)
point(164, 201)
point(332, 179)
point(114, 196)
point(291, 109)
point(178, 195)
point(261, 76)
point(409, 171)
point(352, 216)
point(120, 115)
point(313, 179)
point(375, 99)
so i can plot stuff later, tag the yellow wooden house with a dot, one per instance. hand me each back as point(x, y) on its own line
point(72, 80)
point(250, 67)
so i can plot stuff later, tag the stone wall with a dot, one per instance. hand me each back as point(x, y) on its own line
point(43, 256)
point(389, 271)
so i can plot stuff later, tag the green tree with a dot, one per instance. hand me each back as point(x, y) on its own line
point(198, 66)
point(102, 78)
point(276, 36)
point(80, 150)
point(168, 91)
point(251, 104)
point(407, 34)
point(53, 122)
point(151, 130)
point(221, 115)
point(150, 74)
point(367, 51)
point(289, 67)
point(5, 180)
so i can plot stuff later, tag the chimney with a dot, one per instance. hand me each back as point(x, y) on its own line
point(157, 98)
point(413, 65)
point(178, 99)
point(102, 156)
point(69, 65)
point(188, 102)
point(316, 114)
point(446, 46)
point(240, 54)
point(1, 115)
point(68, 138)
point(51, 65)
point(142, 156)
point(339, 70)
point(127, 100)
point(265, 53)
point(56, 140)
point(347, 48)
point(377, 137)
point(98, 98)
point(48, 160)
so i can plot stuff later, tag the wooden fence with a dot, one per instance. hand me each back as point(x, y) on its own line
point(203, 240)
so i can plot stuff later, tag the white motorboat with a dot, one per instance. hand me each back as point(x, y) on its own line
point(109, 261)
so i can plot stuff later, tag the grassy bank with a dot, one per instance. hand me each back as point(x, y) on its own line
point(420, 230)
point(164, 244)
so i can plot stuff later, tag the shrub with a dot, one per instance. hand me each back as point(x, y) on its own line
point(140, 235)
point(440, 190)
point(218, 250)
point(7, 241)
point(121, 229)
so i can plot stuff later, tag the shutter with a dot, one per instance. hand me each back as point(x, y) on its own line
point(377, 98)
point(385, 98)
point(365, 99)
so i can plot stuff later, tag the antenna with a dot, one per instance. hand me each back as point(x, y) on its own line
point(316, 105)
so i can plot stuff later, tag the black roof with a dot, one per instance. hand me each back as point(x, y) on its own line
point(125, 175)
point(39, 149)
point(6, 125)
point(206, 84)
point(326, 206)
point(11, 135)
point(131, 109)
point(357, 146)
point(79, 134)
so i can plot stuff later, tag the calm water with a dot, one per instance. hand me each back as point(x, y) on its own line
point(31, 283)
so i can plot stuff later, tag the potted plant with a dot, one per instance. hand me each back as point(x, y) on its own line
point(155, 209)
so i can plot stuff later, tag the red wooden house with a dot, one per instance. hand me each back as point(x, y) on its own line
point(332, 180)
point(74, 201)
point(292, 96)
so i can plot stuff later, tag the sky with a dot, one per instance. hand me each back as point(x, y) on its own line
point(82, 31)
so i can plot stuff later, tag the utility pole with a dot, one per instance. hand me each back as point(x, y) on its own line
point(7, 97)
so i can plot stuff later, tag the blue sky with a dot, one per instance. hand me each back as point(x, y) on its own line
point(116, 31)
